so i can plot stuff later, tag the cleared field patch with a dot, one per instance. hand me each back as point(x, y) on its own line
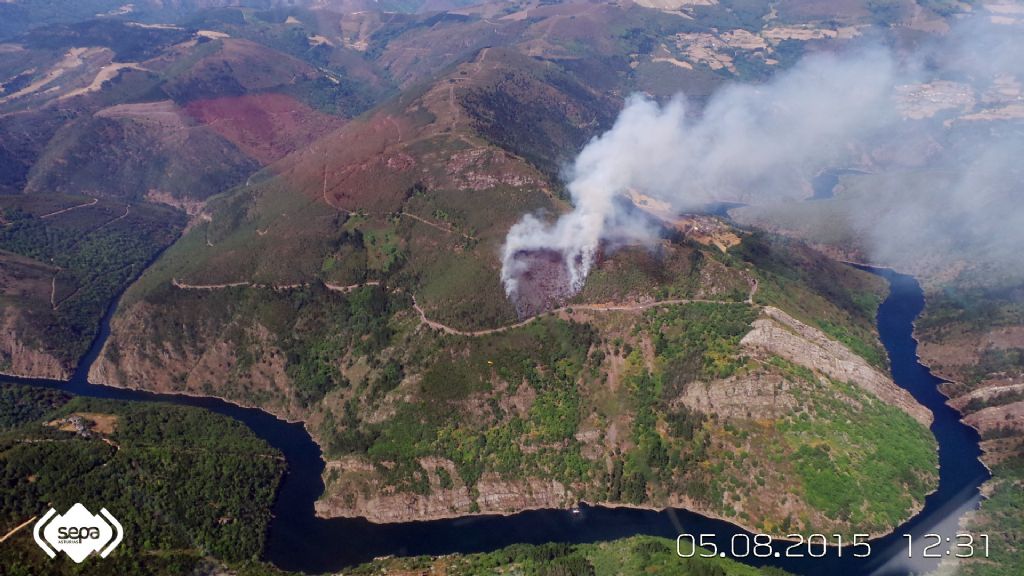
point(97, 422)
point(264, 126)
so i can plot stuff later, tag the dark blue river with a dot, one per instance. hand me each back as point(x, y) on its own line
point(298, 540)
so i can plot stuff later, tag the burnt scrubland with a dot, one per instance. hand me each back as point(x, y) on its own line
point(208, 480)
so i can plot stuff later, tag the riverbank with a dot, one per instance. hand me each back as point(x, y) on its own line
point(299, 540)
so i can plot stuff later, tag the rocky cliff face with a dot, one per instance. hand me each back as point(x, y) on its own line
point(985, 384)
point(348, 496)
point(212, 367)
point(779, 334)
point(20, 359)
point(748, 396)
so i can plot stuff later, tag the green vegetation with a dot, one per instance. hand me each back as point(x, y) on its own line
point(857, 463)
point(997, 399)
point(23, 404)
point(630, 273)
point(873, 483)
point(634, 555)
point(316, 328)
point(547, 356)
point(185, 484)
point(698, 340)
point(311, 326)
point(999, 518)
point(839, 299)
point(691, 341)
point(868, 349)
point(97, 249)
point(964, 305)
point(963, 314)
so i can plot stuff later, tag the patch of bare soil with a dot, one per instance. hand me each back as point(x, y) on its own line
point(703, 229)
point(108, 72)
point(164, 113)
point(95, 422)
point(264, 126)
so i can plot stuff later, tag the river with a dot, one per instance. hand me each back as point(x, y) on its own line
point(298, 540)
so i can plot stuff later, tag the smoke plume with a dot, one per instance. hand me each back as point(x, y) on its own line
point(748, 137)
point(763, 143)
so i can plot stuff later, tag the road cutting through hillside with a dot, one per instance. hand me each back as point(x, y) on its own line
point(960, 474)
point(184, 286)
point(434, 324)
point(16, 528)
point(603, 307)
point(70, 208)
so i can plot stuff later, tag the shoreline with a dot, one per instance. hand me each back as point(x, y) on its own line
point(685, 507)
point(80, 380)
point(688, 506)
point(66, 378)
point(235, 403)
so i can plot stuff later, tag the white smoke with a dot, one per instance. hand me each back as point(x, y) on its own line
point(603, 171)
point(748, 138)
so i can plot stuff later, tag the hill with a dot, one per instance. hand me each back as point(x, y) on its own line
point(57, 449)
point(349, 178)
point(64, 259)
point(354, 284)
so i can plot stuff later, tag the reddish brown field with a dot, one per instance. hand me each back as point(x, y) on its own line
point(264, 126)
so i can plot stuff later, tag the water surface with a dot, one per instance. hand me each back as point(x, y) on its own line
point(298, 540)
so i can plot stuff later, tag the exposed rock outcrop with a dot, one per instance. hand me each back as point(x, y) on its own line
point(779, 334)
point(495, 495)
point(21, 359)
point(130, 359)
point(749, 396)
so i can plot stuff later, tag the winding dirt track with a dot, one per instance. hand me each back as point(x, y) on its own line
point(603, 307)
point(184, 286)
point(16, 528)
point(69, 209)
point(440, 227)
point(435, 325)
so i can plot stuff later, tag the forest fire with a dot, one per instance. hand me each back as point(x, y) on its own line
point(542, 281)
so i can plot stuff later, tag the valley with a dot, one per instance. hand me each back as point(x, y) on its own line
point(299, 214)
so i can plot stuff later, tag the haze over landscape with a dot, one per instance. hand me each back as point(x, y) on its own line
point(533, 287)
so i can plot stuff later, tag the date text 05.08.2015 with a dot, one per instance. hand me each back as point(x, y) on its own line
point(817, 545)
